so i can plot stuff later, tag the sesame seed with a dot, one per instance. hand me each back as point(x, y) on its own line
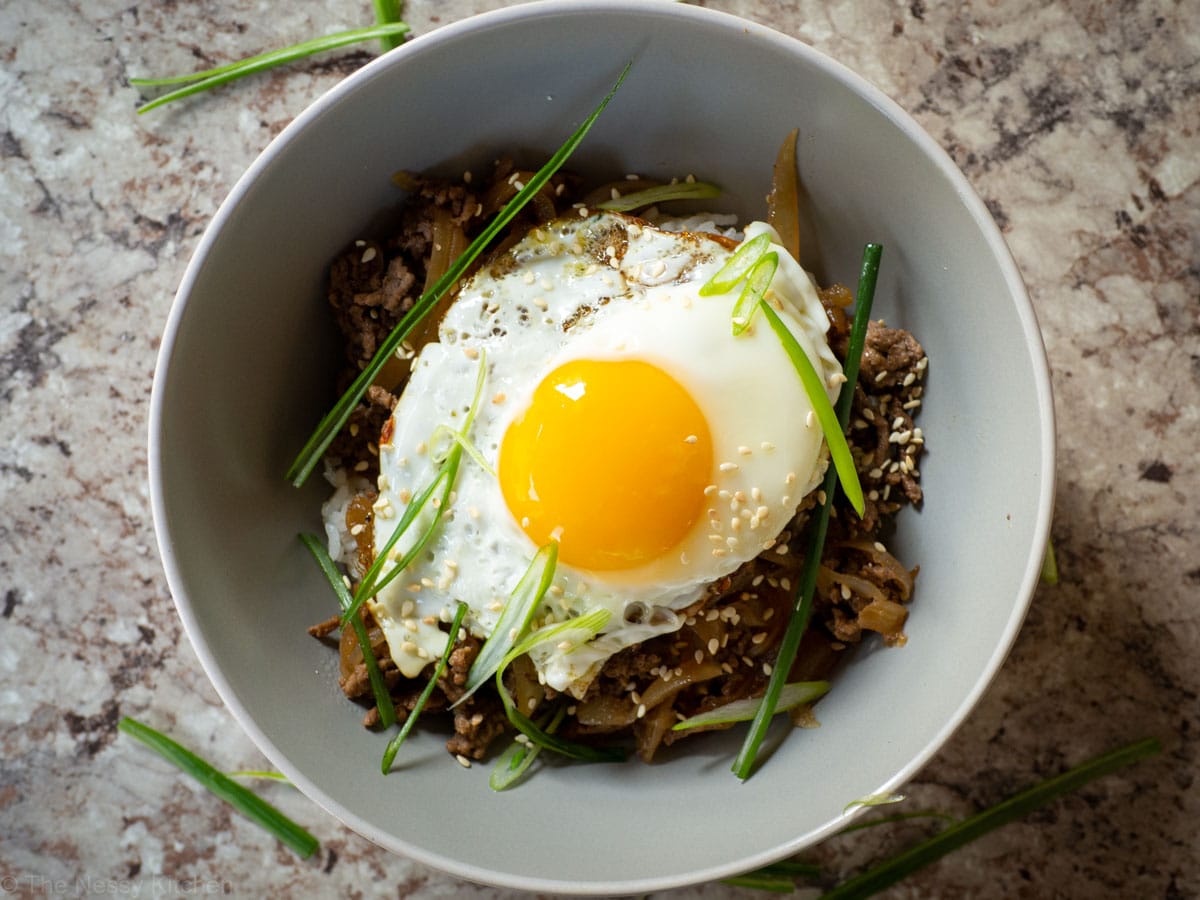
point(768, 613)
point(709, 490)
point(690, 439)
point(810, 419)
point(845, 592)
point(353, 430)
point(463, 761)
point(785, 583)
point(873, 495)
point(436, 502)
point(421, 448)
point(882, 375)
point(726, 668)
point(684, 558)
point(782, 549)
point(875, 473)
point(879, 546)
point(358, 529)
point(641, 710)
point(789, 479)
point(758, 579)
point(408, 647)
point(837, 378)
point(731, 542)
point(921, 364)
point(715, 538)
point(405, 495)
point(897, 422)
point(728, 467)
point(369, 254)
point(909, 379)
point(361, 466)
point(822, 497)
point(565, 645)
point(767, 670)
point(698, 656)
point(719, 553)
point(759, 638)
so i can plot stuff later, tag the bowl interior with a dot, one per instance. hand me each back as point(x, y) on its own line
point(246, 371)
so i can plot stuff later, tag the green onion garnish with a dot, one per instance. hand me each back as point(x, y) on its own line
point(755, 290)
point(215, 77)
point(388, 12)
point(874, 800)
point(248, 804)
point(779, 878)
point(274, 776)
point(954, 836)
point(383, 700)
point(814, 387)
point(681, 190)
point(443, 480)
point(737, 267)
point(586, 626)
point(333, 421)
point(745, 709)
point(518, 756)
point(1049, 566)
point(802, 601)
point(514, 619)
point(393, 747)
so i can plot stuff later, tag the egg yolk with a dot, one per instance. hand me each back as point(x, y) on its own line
point(610, 459)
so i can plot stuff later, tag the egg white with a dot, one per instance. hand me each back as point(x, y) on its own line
point(602, 287)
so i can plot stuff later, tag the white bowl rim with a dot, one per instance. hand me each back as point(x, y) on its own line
point(449, 33)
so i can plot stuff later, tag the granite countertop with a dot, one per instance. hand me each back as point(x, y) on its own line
point(1076, 122)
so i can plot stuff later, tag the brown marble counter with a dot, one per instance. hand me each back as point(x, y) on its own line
point(1078, 123)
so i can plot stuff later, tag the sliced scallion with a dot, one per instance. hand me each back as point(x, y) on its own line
point(273, 776)
point(814, 387)
point(681, 190)
point(247, 803)
point(957, 835)
point(388, 12)
point(737, 267)
point(393, 747)
point(587, 625)
point(802, 601)
point(198, 82)
point(874, 800)
point(744, 710)
point(518, 756)
point(331, 424)
point(514, 619)
point(383, 700)
point(754, 291)
point(1049, 566)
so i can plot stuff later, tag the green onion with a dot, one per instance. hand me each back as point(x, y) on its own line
point(802, 601)
point(393, 747)
point(518, 756)
point(1049, 566)
point(383, 700)
point(445, 477)
point(954, 836)
point(745, 709)
point(589, 624)
point(388, 12)
point(215, 77)
point(248, 804)
point(457, 437)
point(898, 817)
point(681, 190)
point(874, 800)
point(814, 387)
point(737, 267)
point(333, 421)
point(514, 619)
point(274, 776)
point(778, 877)
point(752, 294)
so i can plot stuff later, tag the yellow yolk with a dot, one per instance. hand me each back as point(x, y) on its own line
point(610, 459)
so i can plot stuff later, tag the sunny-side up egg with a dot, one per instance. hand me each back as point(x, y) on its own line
point(619, 416)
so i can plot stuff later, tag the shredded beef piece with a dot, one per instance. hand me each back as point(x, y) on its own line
point(326, 628)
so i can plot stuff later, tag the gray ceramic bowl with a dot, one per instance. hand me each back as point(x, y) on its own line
point(246, 370)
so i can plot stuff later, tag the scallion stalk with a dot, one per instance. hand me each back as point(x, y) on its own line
point(680, 190)
point(388, 12)
point(737, 266)
point(1049, 566)
point(198, 82)
point(745, 709)
point(514, 619)
point(383, 700)
point(333, 421)
point(518, 756)
point(247, 803)
point(755, 289)
point(393, 747)
point(957, 835)
point(802, 600)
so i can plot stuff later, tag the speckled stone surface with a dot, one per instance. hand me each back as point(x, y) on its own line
point(1078, 123)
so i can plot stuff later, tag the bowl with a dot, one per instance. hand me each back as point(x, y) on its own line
point(246, 369)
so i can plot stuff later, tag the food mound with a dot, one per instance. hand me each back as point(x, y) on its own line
point(582, 392)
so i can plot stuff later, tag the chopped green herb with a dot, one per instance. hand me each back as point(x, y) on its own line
point(957, 835)
point(274, 776)
point(210, 78)
point(755, 290)
point(874, 800)
point(518, 756)
point(393, 747)
point(514, 619)
point(814, 387)
point(682, 190)
point(802, 601)
point(333, 421)
point(737, 267)
point(383, 700)
point(587, 625)
point(1049, 566)
point(745, 709)
point(388, 12)
point(248, 804)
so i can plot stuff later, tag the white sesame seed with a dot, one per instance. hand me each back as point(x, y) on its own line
point(358, 529)
point(369, 254)
point(463, 761)
point(731, 542)
point(641, 710)
point(728, 467)
point(719, 553)
point(690, 439)
point(882, 375)
point(837, 378)
point(810, 419)
point(879, 546)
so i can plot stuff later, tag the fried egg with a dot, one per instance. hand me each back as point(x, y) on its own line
point(619, 417)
